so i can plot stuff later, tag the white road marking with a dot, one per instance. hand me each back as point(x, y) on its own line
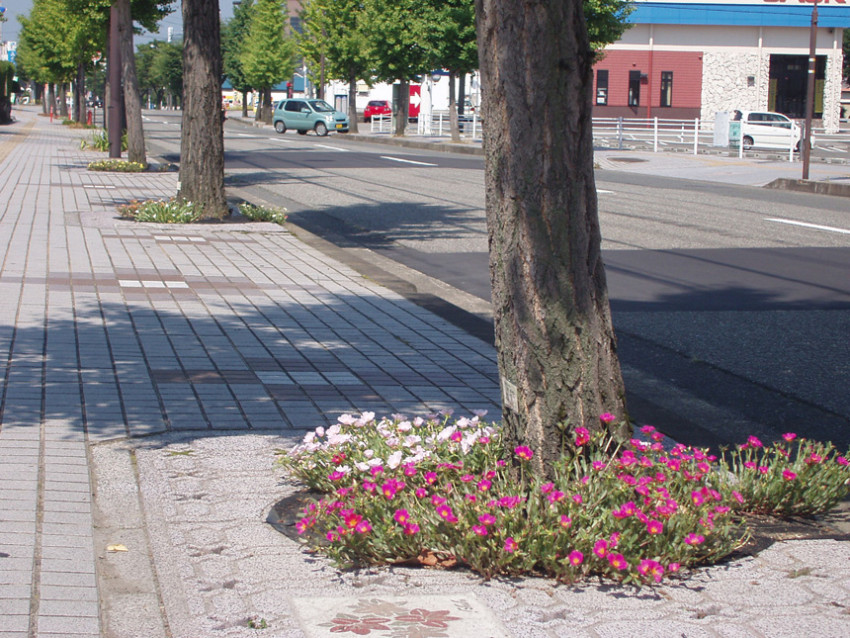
point(791, 222)
point(406, 161)
point(333, 148)
point(599, 191)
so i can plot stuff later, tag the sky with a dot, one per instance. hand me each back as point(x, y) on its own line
point(11, 28)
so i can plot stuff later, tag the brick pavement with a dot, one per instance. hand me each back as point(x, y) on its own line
point(111, 329)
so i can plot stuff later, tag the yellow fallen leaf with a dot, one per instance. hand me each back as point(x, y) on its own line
point(116, 548)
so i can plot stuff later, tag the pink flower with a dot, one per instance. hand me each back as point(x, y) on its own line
point(651, 568)
point(673, 567)
point(694, 539)
point(336, 476)
point(600, 548)
point(445, 512)
point(510, 545)
point(763, 469)
point(556, 496)
point(486, 519)
point(577, 498)
point(378, 469)
point(523, 452)
point(655, 527)
point(421, 492)
point(467, 478)
point(363, 527)
point(576, 558)
point(483, 485)
point(303, 525)
point(509, 502)
point(607, 417)
point(582, 436)
point(618, 561)
point(647, 429)
point(842, 461)
point(698, 498)
point(401, 516)
point(352, 520)
point(599, 465)
point(788, 475)
point(750, 465)
point(753, 441)
point(430, 477)
point(789, 436)
point(410, 469)
point(410, 529)
point(437, 500)
point(480, 530)
point(331, 536)
point(738, 497)
point(565, 521)
point(547, 487)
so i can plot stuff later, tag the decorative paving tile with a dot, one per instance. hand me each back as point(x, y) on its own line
point(398, 617)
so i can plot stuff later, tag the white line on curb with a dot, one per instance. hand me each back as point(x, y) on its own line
point(791, 222)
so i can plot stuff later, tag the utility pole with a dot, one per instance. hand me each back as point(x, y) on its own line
point(810, 92)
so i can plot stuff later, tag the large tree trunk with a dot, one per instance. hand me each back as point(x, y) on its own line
point(80, 94)
point(352, 103)
point(202, 142)
point(453, 123)
point(556, 345)
point(268, 108)
point(132, 102)
point(403, 107)
point(63, 100)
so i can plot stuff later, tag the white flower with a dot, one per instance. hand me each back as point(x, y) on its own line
point(375, 462)
point(418, 421)
point(394, 460)
point(446, 432)
point(344, 469)
point(368, 453)
point(363, 467)
point(346, 419)
point(462, 423)
point(392, 441)
point(338, 439)
point(334, 429)
point(320, 431)
point(405, 426)
point(411, 440)
point(365, 418)
point(309, 437)
point(480, 413)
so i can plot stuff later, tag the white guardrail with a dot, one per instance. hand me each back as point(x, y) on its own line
point(608, 132)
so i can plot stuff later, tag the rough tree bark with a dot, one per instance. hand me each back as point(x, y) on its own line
point(202, 141)
point(556, 345)
point(352, 103)
point(453, 119)
point(80, 94)
point(132, 101)
point(403, 108)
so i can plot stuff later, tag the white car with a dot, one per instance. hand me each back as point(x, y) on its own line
point(764, 129)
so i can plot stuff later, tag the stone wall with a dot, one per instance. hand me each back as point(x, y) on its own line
point(725, 85)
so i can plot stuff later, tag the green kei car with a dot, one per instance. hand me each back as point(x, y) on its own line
point(308, 115)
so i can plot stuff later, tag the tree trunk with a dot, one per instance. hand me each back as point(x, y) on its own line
point(132, 102)
point(267, 105)
point(202, 141)
point(453, 123)
point(556, 345)
point(63, 100)
point(114, 103)
point(80, 94)
point(403, 102)
point(352, 103)
point(245, 104)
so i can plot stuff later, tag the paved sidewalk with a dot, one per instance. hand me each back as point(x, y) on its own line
point(147, 373)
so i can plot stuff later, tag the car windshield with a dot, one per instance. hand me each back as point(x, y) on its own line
point(321, 106)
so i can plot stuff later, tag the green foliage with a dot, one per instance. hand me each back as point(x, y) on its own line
point(267, 56)
point(99, 141)
point(452, 37)
point(332, 29)
point(233, 34)
point(397, 36)
point(170, 211)
point(263, 213)
point(606, 21)
point(117, 165)
point(160, 68)
point(794, 477)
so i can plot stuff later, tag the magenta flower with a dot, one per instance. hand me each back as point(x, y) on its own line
point(303, 525)
point(430, 477)
point(467, 478)
point(753, 441)
point(578, 499)
point(509, 502)
point(738, 497)
point(607, 417)
point(698, 498)
point(363, 527)
point(410, 469)
point(618, 561)
point(421, 492)
point(842, 461)
point(556, 496)
point(523, 452)
point(547, 487)
point(651, 568)
point(576, 558)
point(600, 548)
point(401, 516)
point(484, 485)
point(814, 458)
point(331, 536)
point(673, 567)
point(486, 519)
point(352, 520)
point(470, 497)
point(654, 527)
point(565, 521)
point(694, 539)
point(749, 465)
point(647, 429)
point(445, 512)
point(336, 476)
point(437, 500)
point(378, 469)
point(789, 436)
point(510, 545)
point(582, 436)
point(410, 529)
point(480, 530)
point(599, 465)
point(788, 475)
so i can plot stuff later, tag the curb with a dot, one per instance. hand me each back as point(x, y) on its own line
point(808, 186)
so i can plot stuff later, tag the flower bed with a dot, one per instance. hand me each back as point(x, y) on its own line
point(437, 493)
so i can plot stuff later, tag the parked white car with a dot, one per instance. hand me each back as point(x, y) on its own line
point(764, 129)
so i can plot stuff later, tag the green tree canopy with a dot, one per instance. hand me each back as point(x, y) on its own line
point(233, 35)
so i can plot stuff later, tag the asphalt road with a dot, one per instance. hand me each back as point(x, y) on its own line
point(730, 303)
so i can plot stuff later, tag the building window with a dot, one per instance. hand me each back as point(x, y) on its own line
point(666, 88)
point(634, 88)
point(602, 87)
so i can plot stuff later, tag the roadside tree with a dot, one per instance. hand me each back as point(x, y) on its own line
point(333, 39)
point(233, 34)
point(556, 346)
point(267, 56)
point(202, 140)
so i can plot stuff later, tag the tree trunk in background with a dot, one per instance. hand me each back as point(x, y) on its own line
point(244, 103)
point(352, 103)
point(80, 94)
point(556, 345)
point(202, 141)
point(268, 108)
point(453, 123)
point(132, 102)
point(63, 100)
point(403, 108)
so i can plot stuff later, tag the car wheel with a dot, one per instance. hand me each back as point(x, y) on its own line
point(321, 129)
point(280, 127)
point(748, 142)
point(302, 132)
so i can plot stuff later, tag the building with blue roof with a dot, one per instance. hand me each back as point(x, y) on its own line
point(688, 59)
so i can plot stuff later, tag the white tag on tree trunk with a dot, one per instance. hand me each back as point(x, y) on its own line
point(509, 395)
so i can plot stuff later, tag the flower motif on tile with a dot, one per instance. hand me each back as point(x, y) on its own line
point(344, 623)
point(377, 607)
point(439, 619)
point(378, 617)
